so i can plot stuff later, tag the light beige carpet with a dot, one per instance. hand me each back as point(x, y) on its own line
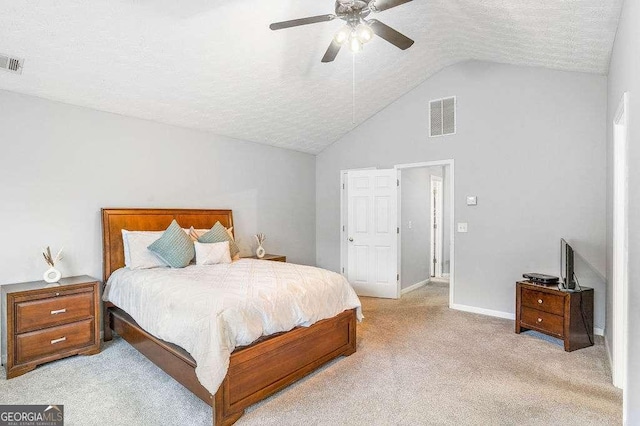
point(418, 362)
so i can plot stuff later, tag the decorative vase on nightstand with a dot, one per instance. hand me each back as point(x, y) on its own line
point(260, 250)
point(52, 275)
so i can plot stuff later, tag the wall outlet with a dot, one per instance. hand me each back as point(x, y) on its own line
point(462, 227)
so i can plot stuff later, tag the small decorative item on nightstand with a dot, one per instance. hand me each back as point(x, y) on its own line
point(51, 275)
point(260, 238)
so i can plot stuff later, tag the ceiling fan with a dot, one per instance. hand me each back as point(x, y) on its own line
point(357, 30)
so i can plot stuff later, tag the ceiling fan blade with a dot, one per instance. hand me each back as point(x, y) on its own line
point(380, 5)
point(399, 40)
point(302, 21)
point(331, 52)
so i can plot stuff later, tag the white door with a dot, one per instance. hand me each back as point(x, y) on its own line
point(436, 226)
point(372, 220)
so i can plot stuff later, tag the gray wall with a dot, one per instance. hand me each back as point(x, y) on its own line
point(527, 137)
point(624, 75)
point(416, 240)
point(60, 164)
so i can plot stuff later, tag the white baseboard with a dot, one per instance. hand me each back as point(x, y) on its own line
point(506, 315)
point(414, 287)
point(483, 311)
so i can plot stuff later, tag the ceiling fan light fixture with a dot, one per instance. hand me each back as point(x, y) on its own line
point(342, 35)
point(355, 45)
point(357, 29)
point(364, 33)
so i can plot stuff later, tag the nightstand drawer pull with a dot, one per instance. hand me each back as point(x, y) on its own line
point(54, 341)
point(540, 301)
point(59, 311)
point(539, 319)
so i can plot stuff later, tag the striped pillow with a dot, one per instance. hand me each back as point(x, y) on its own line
point(174, 247)
point(219, 234)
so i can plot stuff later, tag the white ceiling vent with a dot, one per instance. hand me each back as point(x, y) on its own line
point(442, 117)
point(11, 64)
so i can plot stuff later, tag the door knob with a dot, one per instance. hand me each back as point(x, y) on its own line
point(350, 239)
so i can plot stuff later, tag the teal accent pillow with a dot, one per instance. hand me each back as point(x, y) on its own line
point(174, 247)
point(218, 234)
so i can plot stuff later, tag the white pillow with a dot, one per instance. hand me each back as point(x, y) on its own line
point(136, 253)
point(212, 253)
point(197, 233)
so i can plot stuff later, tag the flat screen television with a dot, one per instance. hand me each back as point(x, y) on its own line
point(566, 266)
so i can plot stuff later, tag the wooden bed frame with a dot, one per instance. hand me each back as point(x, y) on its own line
point(256, 371)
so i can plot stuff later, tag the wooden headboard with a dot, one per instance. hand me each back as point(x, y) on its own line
point(115, 220)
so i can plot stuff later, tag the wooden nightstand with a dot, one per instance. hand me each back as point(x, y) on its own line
point(272, 257)
point(44, 322)
point(565, 315)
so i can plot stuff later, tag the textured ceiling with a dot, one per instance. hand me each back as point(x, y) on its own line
point(215, 65)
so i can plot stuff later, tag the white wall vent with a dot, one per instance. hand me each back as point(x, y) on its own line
point(442, 117)
point(11, 64)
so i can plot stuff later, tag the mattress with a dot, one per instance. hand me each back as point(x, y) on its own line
point(210, 310)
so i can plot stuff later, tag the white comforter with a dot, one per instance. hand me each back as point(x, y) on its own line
point(210, 310)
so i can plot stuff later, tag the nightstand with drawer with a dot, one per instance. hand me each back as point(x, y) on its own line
point(272, 257)
point(43, 322)
point(561, 314)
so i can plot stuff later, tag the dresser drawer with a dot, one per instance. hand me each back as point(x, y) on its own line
point(550, 323)
point(36, 314)
point(55, 340)
point(552, 303)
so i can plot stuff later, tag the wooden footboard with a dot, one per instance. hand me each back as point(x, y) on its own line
point(256, 371)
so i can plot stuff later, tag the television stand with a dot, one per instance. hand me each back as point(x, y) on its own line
point(561, 314)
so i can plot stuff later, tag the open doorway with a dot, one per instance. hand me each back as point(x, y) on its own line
point(425, 220)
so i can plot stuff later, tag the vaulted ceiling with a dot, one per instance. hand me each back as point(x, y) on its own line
point(215, 65)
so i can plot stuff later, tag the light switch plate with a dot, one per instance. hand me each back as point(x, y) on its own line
point(462, 227)
point(472, 200)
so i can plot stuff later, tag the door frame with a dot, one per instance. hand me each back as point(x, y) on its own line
point(452, 234)
point(438, 233)
point(344, 252)
point(620, 254)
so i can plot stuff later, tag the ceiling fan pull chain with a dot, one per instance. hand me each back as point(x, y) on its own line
point(353, 91)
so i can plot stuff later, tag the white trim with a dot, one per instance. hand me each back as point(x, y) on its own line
point(483, 311)
point(414, 286)
point(452, 234)
point(598, 331)
point(436, 235)
point(620, 245)
point(607, 348)
point(398, 241)
point(445, 275)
